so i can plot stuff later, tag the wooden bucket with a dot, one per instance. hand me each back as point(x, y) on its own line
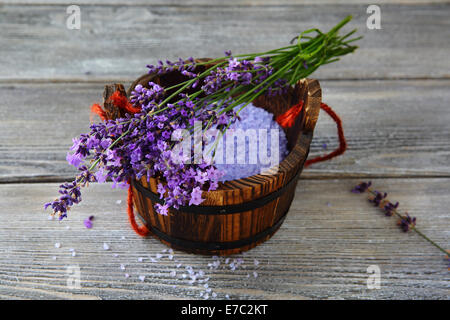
point(242, 213)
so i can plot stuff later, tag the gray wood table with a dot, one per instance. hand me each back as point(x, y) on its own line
point(393, 96)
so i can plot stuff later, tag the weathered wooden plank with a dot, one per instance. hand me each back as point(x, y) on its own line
point(119, 41)
point(322, 251)
point(392, 127)
point(218, 3)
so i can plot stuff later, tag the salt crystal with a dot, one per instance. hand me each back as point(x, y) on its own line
point(255, 274)
point(74, 253)
point(105, 246)
point(122, 267)
point(153, 260)
point(159, 256)
point(115, 255)
point(201, 273)
point(179, 265)
point(206, 296)
point(123, 238)
point(127, 275)
point(67, 227)
point(171, 251)
point(227, 260)
point(173, 274)
point(50, 217)
point(57, 245)
point(140, 259)
point(256, 262)
point(208, 290)
point(118, 201)
point(170, 257)
point(71, 249)
point(214, 295)
point(184, 276)
point(142, 278)
point(54, 258)
point(206, 286)
point(227, 296)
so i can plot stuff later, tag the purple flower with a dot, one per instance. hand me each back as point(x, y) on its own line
point(389, 208)
point(376, 200)
point(162, 209)
point(196, 196)
point(100, 175)
point(74, 159)
point(407, 223)
point(362, 187)
point(88, 222)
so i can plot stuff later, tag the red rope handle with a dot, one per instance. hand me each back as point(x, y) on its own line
point(342, 143)
point(140, 230)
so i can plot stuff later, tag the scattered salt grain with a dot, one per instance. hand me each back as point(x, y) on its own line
point(227, 260)
point(67, 227)
point(206, 296)
point(140, 259)
point(142, 278)
point(184, 276)
point(115, 255)
point(256, 262)
point(255, 274)
point(179, 265)
point(173, 274)
point(208, 290)
point(118, 201)
point(126, 275)
point(105, 246)
point(170, 257)
point(57, 245)
point(122, 267)
point(74, 253)
point(123, 238)
point(50, 217)
point(206, 286)
point(153, 260)
point(159, 256)
point(54, 257)
point(227, 296)
point(214, 295)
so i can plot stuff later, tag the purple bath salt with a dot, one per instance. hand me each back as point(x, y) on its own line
point(259, 144)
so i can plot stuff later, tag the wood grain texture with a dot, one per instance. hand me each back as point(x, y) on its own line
point(322, 251)
point(117, 42)
point(213, 3)
point(393, 128)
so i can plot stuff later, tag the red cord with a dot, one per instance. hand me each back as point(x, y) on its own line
point(342, 143)
point(95, 108)
point(121, 101)
point(140, 230)
point(287, 119)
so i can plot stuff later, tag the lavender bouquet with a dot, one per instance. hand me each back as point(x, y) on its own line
point(141, 143)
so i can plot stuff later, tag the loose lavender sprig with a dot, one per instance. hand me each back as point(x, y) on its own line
point(406, 222)
point(140, 145)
